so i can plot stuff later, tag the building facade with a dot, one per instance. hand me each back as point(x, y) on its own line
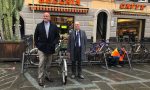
point(124, 19)
point(100, 19)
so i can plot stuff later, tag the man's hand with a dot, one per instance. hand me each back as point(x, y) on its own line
point(123, 49)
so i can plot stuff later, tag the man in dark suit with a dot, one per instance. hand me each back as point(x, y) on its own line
point(76, 48)
point(46, 36)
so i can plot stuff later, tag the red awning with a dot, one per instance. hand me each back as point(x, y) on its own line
point(133, 13)
point(60, 9)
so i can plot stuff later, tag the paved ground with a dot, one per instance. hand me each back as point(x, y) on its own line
point(96, 78)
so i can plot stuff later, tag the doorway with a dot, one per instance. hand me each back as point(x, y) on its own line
point(101, 26)
point(21, 26)
point(22, 30)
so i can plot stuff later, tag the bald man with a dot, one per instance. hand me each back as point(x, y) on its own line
point(46, 36)
point(76, 47)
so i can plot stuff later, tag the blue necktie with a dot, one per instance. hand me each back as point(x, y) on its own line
point(77, 39)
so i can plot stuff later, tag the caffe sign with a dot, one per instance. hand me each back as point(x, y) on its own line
point(61, 2)
point(132, 6)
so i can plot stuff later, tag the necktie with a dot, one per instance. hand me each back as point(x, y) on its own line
point(77, 39)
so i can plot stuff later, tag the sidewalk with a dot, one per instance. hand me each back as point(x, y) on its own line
point(96, 78)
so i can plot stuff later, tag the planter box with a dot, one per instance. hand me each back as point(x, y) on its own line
point(11, 51)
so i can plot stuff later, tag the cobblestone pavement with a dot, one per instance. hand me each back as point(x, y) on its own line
point(97, 77)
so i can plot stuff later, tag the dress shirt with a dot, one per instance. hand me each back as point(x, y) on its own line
point(47, 25)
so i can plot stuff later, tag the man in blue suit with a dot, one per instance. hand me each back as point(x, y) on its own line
point(46, 36)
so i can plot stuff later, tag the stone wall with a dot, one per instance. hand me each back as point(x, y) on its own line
point(31, 19)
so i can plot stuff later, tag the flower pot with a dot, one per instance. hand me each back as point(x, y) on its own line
point(11, 50)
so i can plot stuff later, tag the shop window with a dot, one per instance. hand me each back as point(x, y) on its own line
point(65, 23)
point(129, 30)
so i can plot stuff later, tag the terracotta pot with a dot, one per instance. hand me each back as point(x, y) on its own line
point(11, 50)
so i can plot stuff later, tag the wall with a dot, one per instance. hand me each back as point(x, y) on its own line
point(32, 19)
point(101, 4)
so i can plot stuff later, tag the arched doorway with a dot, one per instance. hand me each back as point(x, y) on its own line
point(22, 30)
point(101, 26)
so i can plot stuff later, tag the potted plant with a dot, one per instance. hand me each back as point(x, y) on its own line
point(10, 39)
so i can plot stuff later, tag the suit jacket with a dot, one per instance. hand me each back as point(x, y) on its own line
point(44, 44)
point(71, 44)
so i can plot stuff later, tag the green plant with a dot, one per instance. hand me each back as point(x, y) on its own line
point(10, 9)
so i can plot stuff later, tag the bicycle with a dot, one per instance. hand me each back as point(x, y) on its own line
point(28, 60)
point(97, 49)
point(62, 60)
point(28, 39)
point(139, 51)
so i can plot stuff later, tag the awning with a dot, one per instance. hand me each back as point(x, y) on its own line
point(128, 12)
point(59, 8)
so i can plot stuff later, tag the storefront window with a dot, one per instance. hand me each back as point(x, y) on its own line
point(65, 23)
point(129, 30)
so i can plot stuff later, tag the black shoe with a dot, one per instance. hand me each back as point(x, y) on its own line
point(41, 83)
point(72, 76)
point(81, 76)
point(49, 79)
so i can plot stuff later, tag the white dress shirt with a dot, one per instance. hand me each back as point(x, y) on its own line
point(47, 25)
